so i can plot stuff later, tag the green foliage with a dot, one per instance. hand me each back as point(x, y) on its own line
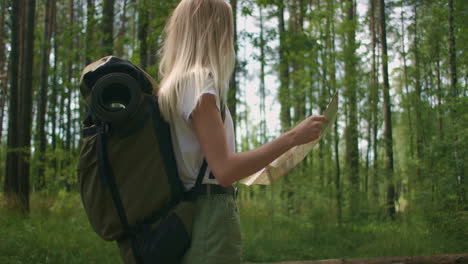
point(272, 234)
point(56, 231)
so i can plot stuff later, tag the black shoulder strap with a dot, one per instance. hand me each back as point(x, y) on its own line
point(201, 173)
point(107, 178)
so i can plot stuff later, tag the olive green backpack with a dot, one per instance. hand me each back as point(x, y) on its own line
point(127, 172)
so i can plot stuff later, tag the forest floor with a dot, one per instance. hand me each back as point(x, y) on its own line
point(57, 231)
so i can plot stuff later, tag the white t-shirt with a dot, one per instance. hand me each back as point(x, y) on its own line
point(187, 150)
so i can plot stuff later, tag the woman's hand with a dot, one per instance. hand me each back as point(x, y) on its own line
point(230, 167)
point(308, 130)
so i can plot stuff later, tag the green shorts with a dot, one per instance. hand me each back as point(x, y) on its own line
point(216, 234)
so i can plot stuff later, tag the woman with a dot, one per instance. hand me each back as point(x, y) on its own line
point(196, 65)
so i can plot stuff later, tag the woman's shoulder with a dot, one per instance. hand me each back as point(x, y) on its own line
point(192, 95)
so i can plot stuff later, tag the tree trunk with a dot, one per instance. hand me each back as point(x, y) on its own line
point(108, 27)
point(351, 137)
point(284, 92)
point(41, 126)
point(333, 87)
point(122, 31)
point(418, 114)
point(322, 100)
point(4, 70)
point(70, 89)
point(452, 54)
point(143, 16)
point(296, 21)
point(439, 94)
point(233, 85)
point(373, 97)
point(10, 188)
point(387, 115)
point(405, 78)
point(263, 130)
point(26, 110)
point(90, 41)
point(460, 175)
point(53, 107)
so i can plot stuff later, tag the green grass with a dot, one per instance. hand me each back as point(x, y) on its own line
point(57, 231)
point(270, 236)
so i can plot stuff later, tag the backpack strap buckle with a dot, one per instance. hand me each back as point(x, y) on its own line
point(103, 128)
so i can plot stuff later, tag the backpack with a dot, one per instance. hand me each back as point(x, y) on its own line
point(127, 171)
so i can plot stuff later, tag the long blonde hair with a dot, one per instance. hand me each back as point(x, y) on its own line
point(199, 42)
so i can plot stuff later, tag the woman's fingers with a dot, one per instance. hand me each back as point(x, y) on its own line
point(319, 118)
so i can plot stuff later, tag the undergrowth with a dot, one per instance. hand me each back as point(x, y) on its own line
point(57, 231)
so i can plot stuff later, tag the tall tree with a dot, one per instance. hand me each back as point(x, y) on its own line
point(418, 104)
point(387, 115)
point(261, 43)
point(234, 85)
point(70, 63)
point(54, 94)
point(143, 17)
point(452, 53)
point(408, 104)
point(42, 105)
point(11, 189)
point(122, 31)
point(373, 96)
point(90, 38)
point(108, 27)
point(25, 104)
point(351, 134)
point(460, 177)
point(296, 26)
point(284, 92)
point(3, 63)
point(333, 87)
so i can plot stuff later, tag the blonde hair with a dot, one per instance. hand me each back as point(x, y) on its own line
point(199, 42)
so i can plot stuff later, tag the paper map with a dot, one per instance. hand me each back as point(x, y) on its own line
point(284, 163)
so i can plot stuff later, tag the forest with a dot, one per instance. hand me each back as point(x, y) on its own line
point(387, 179)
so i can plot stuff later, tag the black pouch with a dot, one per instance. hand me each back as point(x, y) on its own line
point(165, 243)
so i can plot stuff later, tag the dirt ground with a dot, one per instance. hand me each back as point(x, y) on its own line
point(439, 259)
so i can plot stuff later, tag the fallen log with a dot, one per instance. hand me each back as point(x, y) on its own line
point(439, 259)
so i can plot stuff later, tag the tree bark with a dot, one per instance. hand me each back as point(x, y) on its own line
point(90, 41)
point(387, 108)
point(3, 70)
point(53, 107)
point(233, 85)
point(263, 130)
point(10, 188)
point(25, 104)
point(284, 92)
point(143, 17)
point(42, 106)
point(452, 54)
point(333, 87)
point(351, 137)
point(68, 139)
point(418, 114)
point(405, 78)
point(296, 26)
point(122, 31)
point(460, 175)
point(108, 27)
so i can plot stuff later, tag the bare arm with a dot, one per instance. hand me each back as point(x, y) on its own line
point(231, 167)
